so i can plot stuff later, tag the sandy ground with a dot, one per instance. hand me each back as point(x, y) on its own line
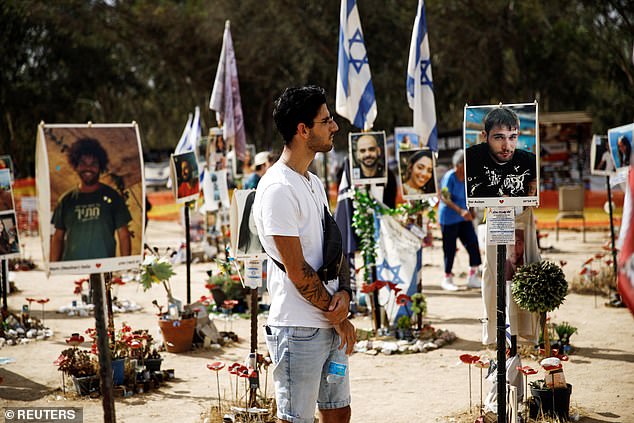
point(424, 387)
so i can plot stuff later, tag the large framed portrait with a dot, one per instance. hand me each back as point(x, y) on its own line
point(501, 145)
point(417, 170)
point(620, 140)
point(601, 160)
point(185, 181)
point(244, 234)
point(91, 194)
point(367, 156)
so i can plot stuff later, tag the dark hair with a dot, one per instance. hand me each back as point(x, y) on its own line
point(244, 236)
point(413, 159)
point(297, 105)
point(501, 116)
point(88, 147)
point(624, 157)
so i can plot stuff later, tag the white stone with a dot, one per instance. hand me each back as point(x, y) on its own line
point(439, 342)
point(429, 346)
point(371, 352)
point(31, 333)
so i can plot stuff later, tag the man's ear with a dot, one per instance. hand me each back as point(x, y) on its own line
point(303, 130)
point(483, 136)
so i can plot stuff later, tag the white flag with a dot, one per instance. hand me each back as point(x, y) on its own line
point(355, 93)
point(225, 97)
point(420, 88)
point(180, 147)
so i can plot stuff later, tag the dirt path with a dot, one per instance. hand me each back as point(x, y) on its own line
point(404, 388)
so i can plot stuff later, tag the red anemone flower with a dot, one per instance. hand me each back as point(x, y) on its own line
point(380, 284)
point(210, 286)
point(588, 261)
point(75, 339)
point(482, 364)
point(469, 359)
point(43, 300)
point(233, 369)
point(403, 299)
point(392, 285)
point(118, 281)
point(216, 366)
point(599, 256)
point(527, 370)
point(583, 271)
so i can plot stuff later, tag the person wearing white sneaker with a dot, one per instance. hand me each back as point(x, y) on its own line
point(456, 222)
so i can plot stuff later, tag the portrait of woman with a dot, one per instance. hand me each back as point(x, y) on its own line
point(625, 151)
point(248, 241)
point(417, 173)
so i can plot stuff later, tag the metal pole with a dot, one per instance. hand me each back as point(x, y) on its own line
point(501, 333)
point(607, 182)
point(188, 253)
point(254, 382)
point(5, 283)
point(105, 363)
point(376, 307)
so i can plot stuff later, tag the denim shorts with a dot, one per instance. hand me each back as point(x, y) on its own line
point(301, 357)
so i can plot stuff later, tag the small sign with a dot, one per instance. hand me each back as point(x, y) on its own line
point(28, 204)
point(253, 273)
point(501, 226)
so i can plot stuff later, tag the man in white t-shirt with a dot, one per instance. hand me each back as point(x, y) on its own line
point(307, 327)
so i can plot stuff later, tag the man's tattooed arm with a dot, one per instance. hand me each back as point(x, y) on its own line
point(301, 273)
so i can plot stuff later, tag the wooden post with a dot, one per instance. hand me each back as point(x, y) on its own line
point(5, 283)
point(97, 286)
point(188, 253)
point(501, 333)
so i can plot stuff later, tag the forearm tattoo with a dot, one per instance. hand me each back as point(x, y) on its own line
point(311, 288)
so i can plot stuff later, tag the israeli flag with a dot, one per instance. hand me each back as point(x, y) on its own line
point(420, 89)
point(355, 93)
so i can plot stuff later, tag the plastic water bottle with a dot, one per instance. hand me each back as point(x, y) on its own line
point(336, 372)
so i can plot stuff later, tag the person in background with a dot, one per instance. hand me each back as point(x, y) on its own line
point(262, 164)
point(456, 222)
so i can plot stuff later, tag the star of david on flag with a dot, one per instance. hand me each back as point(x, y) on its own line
point(399, 260)
point(355, 94)
point(420, 89)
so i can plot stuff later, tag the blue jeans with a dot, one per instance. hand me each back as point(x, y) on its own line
point(301, 357)
point(466, 233)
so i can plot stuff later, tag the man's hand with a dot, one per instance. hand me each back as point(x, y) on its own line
point(466, 215)
point(338, 308)
point(348, 335)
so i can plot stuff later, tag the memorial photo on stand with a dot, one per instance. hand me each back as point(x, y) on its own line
point(501, 143)
point(9, 242)
point(90, 197)
point(244, 233)
point(620, 140)
point(245, 166)
point(417, 173)
point(185, 181)
point(601, 157)
point(216, 156)
point(405, 138)
point(7, 163)
point(367, 155)
point(6, 194)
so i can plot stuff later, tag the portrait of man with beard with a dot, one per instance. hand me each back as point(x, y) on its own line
point(87, 216)
point(368, 158)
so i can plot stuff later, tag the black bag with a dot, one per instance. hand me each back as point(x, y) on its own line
point(332, 251)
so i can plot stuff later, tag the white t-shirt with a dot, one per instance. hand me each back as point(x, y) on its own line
point(288, 204)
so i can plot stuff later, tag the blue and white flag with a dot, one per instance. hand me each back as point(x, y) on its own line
point(420, 88)
point(225, 97)
point(399, 260)
point(355, 93)
point(181, 147)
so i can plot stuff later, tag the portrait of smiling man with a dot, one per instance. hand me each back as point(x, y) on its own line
point(497, 168)
point(367, 158)
point(88, 215)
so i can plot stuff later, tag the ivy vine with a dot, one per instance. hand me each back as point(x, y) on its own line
point(365, 208)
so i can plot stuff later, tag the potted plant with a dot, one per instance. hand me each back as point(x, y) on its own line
point(540, 287)
point(79, 365)
point(564, 331)
point(404, 327)
point(551, 394)
point(419, 308)
point(178, 323)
